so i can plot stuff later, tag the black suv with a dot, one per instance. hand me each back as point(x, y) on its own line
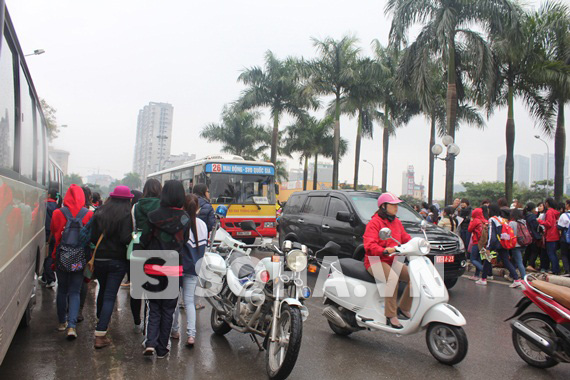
point(317, 217)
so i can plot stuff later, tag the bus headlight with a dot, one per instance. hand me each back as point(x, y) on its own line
point(296, 260)
point(423, 246)
point(269, 225)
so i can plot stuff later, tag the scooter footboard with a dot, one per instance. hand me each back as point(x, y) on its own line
point(444, 313)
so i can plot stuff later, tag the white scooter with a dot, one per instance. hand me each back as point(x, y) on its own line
point(354, 302)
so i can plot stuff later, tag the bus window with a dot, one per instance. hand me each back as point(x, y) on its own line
point(26, 129)
point(7, 107)
point(40, 144)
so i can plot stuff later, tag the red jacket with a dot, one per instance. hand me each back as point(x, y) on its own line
point(550, 221)
point(74, 200)
point(476, 225)
point(374, 246)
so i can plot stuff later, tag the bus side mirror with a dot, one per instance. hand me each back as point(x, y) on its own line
point(276, 189)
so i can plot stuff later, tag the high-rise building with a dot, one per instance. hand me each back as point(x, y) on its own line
point(61, 157)
point(409, 186)
point(154, 132)
point(521, 173)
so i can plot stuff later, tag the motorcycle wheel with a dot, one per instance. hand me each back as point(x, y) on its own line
point(219, 326)
point(339, 330)
point(281, 355)
point(530, 353)
point(447, 343)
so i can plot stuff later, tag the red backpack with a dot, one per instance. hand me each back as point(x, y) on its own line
point(524, 237)
point(506, 235)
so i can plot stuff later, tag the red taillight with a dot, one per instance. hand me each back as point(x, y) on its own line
point(264, 276)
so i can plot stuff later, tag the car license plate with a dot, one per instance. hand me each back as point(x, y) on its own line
point(243, 233)
point(445, 259)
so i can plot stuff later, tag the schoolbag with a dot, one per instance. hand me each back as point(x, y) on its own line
point(524, 237)
point(85, 234)
point(506, 235)
point(482, 243)
point(71, 255)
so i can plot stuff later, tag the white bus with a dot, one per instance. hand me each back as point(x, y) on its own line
point(24, 179)
point(248, 186)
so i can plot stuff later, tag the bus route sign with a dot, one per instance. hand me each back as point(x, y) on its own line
point(240, 169)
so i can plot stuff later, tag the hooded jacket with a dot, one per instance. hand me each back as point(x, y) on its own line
point(532, 224)
point(374, 246)
point(206, 213)
point(142, 208)
point(74, 200)
point(551, 233)
point(476, 225)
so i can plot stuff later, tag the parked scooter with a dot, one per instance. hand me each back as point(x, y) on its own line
point(259, 299)
point(542, 339)
point(362, 307)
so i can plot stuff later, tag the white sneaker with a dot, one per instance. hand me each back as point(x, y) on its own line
point(51, 284)
point(490, 278)
point(149, 351)
point(481, 282)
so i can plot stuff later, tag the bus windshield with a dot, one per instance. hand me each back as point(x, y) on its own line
point(241, 188)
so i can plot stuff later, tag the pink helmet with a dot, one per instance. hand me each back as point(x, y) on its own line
point(388, 198)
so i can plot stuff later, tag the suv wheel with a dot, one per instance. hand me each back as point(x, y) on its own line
point(450, 283)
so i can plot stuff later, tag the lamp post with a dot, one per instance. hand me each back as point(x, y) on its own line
point(36, 52)
point(452, 152)
point(547, 164)
point(370, 163)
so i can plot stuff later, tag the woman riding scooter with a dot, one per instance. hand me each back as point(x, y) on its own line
point(381, 265)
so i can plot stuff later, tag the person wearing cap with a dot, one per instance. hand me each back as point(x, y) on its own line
point(381, 265)
point(112, 225)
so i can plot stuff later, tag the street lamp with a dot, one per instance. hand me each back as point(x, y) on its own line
point(547, 164)
point(370, 163)
point(36, 52)
point(452, 152)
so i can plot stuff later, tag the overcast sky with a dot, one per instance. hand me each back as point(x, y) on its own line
point(105, 60)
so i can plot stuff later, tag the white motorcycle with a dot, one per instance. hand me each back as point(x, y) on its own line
point(353, 302)
point(257, 298)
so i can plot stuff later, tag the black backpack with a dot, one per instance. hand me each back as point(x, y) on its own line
point(71, 255)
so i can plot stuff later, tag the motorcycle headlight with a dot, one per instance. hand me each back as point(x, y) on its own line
point(296, 260)
point(461, 245)
point(424, 246)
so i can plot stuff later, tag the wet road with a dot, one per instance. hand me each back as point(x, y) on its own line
point(40, 352)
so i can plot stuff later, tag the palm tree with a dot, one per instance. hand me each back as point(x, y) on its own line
point(331, 74)
point(325, 148)
point(359, 99)
point(239, 133)
point(554, 21)
point(446, 33)
point(519, 59)
point(277, 87)
point(301, 138)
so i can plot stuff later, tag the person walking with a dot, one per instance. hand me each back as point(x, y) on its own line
point(551, 233)
point(112, 227)
point(206, 213)
point(169, 231)
point(70, 218)
point(476, 226)
point(563, 225)
point(48, 277)
point(516, 221)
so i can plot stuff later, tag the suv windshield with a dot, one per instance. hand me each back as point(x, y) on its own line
point(367, 204)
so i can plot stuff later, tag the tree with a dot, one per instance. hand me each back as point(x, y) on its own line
point(51, 120)
point(239, 133)
point(132, 180)
point(277, 87)
point(331, 74)
point(281, 174)
point(477, 192)
point(446, 33)
point(70, 179)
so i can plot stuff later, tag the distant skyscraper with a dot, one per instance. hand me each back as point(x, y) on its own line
point(409, 186)
point(154, 137)
point(501, 168)
point(521, 173)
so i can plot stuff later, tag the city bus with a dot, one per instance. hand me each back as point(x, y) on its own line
point(246, 187)
point(24, 179)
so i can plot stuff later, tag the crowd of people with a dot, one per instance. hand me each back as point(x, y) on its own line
point(521, 239)
point(91, 240)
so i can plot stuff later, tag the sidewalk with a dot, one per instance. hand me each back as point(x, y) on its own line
point(499, 273)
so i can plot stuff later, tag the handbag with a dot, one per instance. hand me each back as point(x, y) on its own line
point(89, 268)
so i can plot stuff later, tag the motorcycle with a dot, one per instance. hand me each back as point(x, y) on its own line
point(542, 339)
point(361, 306)
point(260, 299)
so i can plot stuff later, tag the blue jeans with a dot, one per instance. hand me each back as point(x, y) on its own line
point(551, 252)
point(189, 283)
point(476, 260)
point(503, 254)
point(68, 288)
point(109, 274)
point(516, 254)
point(465, 235)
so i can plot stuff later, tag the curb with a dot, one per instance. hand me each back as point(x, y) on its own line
point(499, 273)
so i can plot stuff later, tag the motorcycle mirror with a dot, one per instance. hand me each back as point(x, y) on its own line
point(331, 248)
point(247, 225)
point(385, 233)
point(423, 225)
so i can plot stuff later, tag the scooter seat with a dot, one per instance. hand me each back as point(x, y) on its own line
point(561, 294)
point(243, 267)
point(355, 269)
